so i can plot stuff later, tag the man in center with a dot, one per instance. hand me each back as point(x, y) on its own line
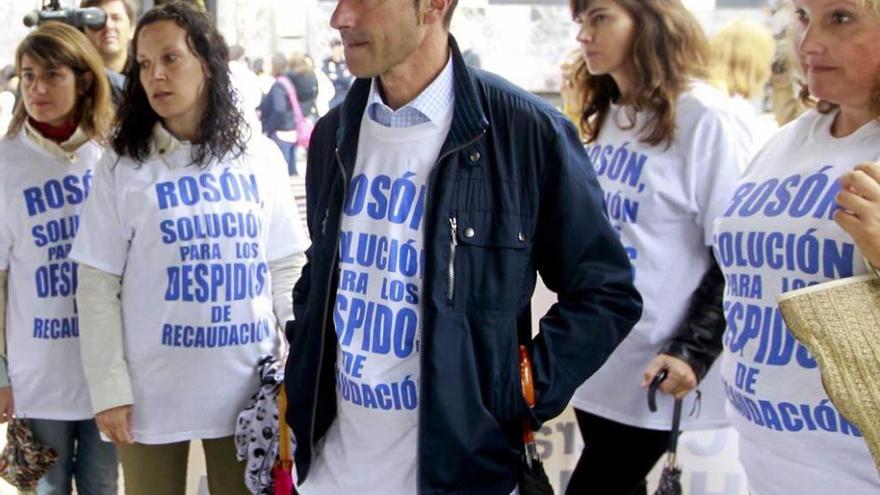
point(436, 193)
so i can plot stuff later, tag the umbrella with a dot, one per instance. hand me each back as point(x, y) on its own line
point(532, 478)
point(24, 460)
point(670, 479)
point(262, 436)
point(281, 473)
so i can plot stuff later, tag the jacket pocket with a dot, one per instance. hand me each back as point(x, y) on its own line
point(467, 415)
point(490, 258)
point(493, 341)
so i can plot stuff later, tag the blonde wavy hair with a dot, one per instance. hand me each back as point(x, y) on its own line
point(871, 7)
point(741, 53)
point(55, 44)
point(668, 51)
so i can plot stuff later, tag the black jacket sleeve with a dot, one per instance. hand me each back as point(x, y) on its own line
point(579, 257)
point(316, 169)
point(275, 112)
point(698, 340)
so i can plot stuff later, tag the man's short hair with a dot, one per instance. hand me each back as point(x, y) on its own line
point(127, 4)
point(447, 19)
point(279, 63)
point(236, 52)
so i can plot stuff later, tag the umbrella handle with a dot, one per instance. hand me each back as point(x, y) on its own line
point(652, 389)
point(284, 453)
point(676, 410)
point(528, 389)
point(676, 424)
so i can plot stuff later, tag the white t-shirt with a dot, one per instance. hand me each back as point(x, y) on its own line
point(371, 447)
point(755, 127)
point(662, 201)
point(41, 196)
point(777, 234)
point(192, 246)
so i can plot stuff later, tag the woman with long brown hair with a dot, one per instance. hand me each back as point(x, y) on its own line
point(54, 142)
point(665, 149)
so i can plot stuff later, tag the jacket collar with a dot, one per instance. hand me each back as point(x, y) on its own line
point(468, 118)
point(172, 151)
point(66, 151)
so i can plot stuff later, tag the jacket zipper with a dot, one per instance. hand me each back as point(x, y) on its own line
point(451, 289)
point(324, 315)
point(453, 243)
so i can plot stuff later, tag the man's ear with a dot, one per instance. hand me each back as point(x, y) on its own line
point(434, 10)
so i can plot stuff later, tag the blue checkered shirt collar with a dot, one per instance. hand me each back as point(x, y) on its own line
point(429, 106)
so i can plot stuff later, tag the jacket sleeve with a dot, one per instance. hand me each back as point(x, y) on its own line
point(285, 272)
point(275, 112)
point(101, 338)
point(580, 258)
point(316, 166)
point(300, 294)
point(4, 368)
point(698, 340)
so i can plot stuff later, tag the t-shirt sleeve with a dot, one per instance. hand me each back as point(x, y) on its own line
point(101, 241)
point(715, 155)
point(286, 235)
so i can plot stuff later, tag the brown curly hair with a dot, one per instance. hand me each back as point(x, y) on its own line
point(668, 51)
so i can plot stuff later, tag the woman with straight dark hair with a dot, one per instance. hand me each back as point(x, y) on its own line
point(665, 148)
point(55, 140)
point(191, 243)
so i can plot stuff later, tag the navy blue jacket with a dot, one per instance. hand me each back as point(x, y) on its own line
point(513, 174)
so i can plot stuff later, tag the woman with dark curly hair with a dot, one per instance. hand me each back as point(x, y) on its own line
point(666, 151)
point(189, 246)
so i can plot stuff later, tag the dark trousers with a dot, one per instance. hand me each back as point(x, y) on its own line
point(288, 150)
point(616, 457)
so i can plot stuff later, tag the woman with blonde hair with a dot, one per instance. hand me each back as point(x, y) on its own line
point(574, 73)
point(53, 143)
point(740, 57)
point(806, 211)
point(666, 151)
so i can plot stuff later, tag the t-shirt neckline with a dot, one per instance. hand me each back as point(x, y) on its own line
point(820, 131)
